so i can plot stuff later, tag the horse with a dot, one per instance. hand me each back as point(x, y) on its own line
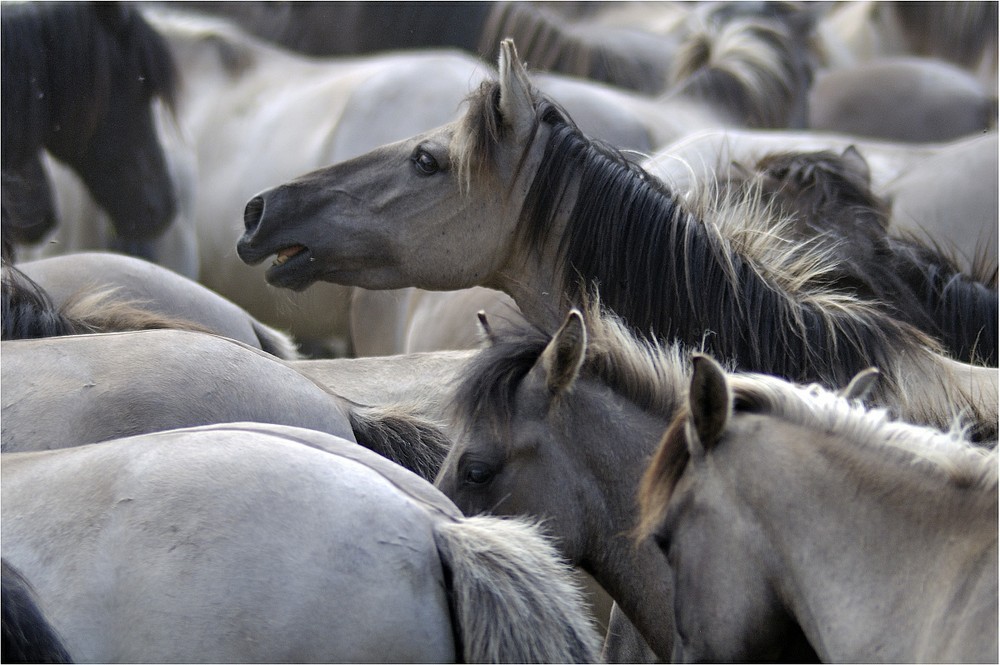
point(941, 193)
point(747, 497)
point(238, 90)
point(831, 203)
point(560, 427)
point(28, 637)
point(87, 227)
point(902, 99)
point(109, 292)
point(242, 537)
point(80, 80)
point(242, 107)
point(413, 320)
point(565, 214)
point(70, 391)
point(964, 34)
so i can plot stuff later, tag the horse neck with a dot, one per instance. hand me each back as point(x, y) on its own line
point(666, 272)
point(848, 519)
point(636, 577)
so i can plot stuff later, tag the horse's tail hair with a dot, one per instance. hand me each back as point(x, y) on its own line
point(275, 342)
point(102, 310)
point(28, 637)
point(408, 440)
point(512, 596)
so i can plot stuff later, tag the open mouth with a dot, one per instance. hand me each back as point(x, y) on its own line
point(285, 254)
point(290, 268)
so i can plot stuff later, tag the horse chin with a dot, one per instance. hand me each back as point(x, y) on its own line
point(296, 272)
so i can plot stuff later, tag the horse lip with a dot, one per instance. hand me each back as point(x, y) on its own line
point(291, 269)
point(287, 253)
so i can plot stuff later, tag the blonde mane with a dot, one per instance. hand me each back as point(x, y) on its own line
point(949, 453)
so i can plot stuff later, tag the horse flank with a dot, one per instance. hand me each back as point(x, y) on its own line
point(28, 311)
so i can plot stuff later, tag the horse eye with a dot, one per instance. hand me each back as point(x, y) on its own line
point(425, 163)
point(478, 473)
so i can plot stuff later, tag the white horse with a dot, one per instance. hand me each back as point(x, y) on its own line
point(252, 543)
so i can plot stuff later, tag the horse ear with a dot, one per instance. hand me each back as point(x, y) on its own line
point(861, 384)
point(856, 162)
point(564, 355)
point(709, 399)
point(485, 330)
point(517, 106)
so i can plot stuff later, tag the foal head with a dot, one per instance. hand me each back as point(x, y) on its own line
point(734, 495)
point(554, 426)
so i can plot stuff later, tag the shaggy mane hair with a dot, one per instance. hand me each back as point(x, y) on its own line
point(674, 276)
point(649, 374)
point(831, 203)
point(950, 455)
point(27, 311)
point(748, 68)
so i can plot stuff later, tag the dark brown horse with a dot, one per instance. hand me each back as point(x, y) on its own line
point(79, 80)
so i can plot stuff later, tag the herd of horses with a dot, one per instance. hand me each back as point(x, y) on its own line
point(668, 334)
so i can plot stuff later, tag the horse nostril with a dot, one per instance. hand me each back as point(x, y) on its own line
point(253, 212)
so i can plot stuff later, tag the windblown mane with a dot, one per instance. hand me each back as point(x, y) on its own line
point(740, 291)
point(916, 283)
point(27, 311)
point(950, 454)
point(670, 274)
point(60, 61)
point(647, 373)
point(750, 69)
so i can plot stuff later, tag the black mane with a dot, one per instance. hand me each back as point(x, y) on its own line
point(916, 283)
point(672, 276)
point(27, 311)
point(60, 62)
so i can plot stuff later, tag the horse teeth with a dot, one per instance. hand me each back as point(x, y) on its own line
point(281, 258)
